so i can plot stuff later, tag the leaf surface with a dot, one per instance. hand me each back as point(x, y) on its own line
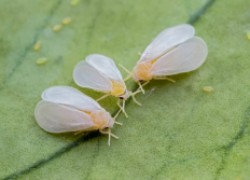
point(180, 132)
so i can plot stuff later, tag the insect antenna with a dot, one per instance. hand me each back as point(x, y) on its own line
point(110, 134)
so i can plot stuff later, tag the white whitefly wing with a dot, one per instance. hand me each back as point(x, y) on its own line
point(186, 57)
point(166, 40)
point(56, 118)
point(85, 75)
point(70, 97)
point(105, 65)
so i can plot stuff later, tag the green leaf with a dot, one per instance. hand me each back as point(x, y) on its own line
point(180, 132)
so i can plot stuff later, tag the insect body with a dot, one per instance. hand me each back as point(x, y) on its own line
point(175, 50)
point(100, 73)
point(65, 109)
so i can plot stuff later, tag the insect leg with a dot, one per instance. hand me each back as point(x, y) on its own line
point(132, 94)
point(116, 115)
point(141, 85)
point(118, 123)
point(122, 107)
point(135, 101)
point(127, 71)
point(109, 134)
point(103, 97)
point(165, 78)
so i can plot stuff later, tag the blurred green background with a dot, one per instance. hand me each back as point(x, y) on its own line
point(180, 132)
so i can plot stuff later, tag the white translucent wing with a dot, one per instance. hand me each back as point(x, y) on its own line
point(186, 57)
point(56, 118)
point(166, 40)
point(87, 76)
point(105, 65)
point(70, 97)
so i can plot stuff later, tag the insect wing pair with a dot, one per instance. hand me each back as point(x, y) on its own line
point(65, 109)
point(100, 73)
point(175, 50)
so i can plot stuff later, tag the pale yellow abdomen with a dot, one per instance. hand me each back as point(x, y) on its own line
point(142, 71)
point(118, 89)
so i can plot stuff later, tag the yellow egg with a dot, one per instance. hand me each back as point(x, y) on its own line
point(37, 46)
point(57, 27)
point(66, 21)
point(41, 61)
point(208, 89)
